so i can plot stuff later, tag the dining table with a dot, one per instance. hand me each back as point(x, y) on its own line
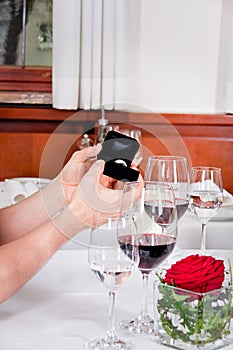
point(64, 305)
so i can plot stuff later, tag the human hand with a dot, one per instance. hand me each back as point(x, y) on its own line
point(98, 194)
point(95, 194)
point(76, 167)
point(109, 182)
point(91, 198)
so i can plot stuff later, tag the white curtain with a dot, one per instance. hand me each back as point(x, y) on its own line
point(95, 53)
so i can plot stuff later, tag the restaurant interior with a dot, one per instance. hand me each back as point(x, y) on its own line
point(159, 71)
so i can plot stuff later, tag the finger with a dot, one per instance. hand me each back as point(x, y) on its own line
point(118, 185)
point(86, 153)
point(133, 165)
point(96, 196)
point(94, 150)
point(140, 178)
point(96, 169)
point(107, 181)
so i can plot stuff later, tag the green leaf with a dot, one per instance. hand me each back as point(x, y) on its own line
point(199, 321)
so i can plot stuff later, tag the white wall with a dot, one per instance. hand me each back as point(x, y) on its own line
point(184, 51)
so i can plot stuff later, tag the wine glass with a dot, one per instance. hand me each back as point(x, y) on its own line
point(206, 195)
point(112, 264)
point(173, 170)
point(155, 216)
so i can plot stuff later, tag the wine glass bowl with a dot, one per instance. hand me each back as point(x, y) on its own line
point(159, 203)
point(204, 204)
point(112, 263)
point(174, 171)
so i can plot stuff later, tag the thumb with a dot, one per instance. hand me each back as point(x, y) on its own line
point(96, 170)
point(94, 195)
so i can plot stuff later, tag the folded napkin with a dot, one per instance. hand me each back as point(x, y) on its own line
point(18, 191)
point(227, 199)
point(30, 188)
point(15, 190)
point(227, 196)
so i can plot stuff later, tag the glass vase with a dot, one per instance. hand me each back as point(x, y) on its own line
point(191, 320)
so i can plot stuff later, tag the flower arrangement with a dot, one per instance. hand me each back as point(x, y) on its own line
point(195, 303)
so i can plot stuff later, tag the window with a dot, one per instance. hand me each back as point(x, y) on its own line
point(25, 51)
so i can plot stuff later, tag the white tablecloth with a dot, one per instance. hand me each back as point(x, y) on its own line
point(64, 306)
point(219, 234)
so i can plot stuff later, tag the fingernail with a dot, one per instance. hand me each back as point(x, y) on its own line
point(98, 147)
point(100, 162)
point(95, 148)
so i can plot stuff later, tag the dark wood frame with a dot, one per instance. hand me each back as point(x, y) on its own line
point(25, 84)
point(25, 130)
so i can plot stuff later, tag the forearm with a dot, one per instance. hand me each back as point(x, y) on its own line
point(27, 215)
point(22, 258)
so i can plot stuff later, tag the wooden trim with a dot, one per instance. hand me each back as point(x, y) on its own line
point(25, 130)
point(23, 97)
point(33, 75)
point(33, 113)
point(49, 113)
point(25, 85)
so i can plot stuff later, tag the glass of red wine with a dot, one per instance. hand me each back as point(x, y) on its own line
point(154, 213)
point(172, 170)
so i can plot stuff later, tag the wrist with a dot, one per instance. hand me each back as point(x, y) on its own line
point(68, 223)
point(53, 197)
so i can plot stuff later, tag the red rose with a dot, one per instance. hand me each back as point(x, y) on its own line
point(196, 273)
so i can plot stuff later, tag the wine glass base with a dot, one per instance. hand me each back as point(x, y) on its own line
point(144, 325)
point(108, 344)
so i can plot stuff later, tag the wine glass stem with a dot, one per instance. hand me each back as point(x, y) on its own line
point(145, 279)
point(203, 237)
point(110, 334)
point(163, 230)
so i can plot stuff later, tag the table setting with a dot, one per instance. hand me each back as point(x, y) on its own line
point(64, 306)
point(16, 189)
point(110, 286)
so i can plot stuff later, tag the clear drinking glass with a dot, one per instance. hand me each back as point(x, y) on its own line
point(112, 263)
point(173, 170)
point(206, 195)
point(207, 319)
point(154, 213)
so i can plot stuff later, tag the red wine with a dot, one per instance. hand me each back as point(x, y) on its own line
point(162, 216)
point(154, 248)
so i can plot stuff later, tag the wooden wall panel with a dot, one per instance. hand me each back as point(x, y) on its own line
point(56, 152)
point(30, 154)
point(213, 152)
point(217, 152)
point(13, 158)
point(24, 133)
